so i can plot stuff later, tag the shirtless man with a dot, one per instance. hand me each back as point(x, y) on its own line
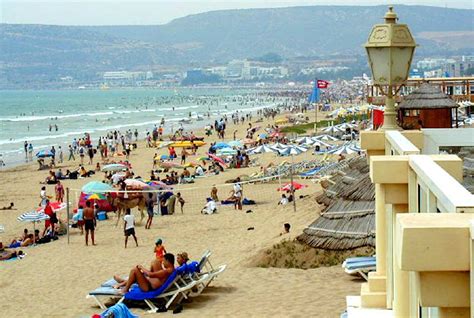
point(89, 222)
point(149, 280)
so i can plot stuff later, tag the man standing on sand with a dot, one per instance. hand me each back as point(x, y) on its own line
point(129, 227)
point(89, 222)
point(71, 153)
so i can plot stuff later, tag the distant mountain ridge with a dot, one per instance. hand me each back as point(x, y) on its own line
point(292, 31)
point(44, 52)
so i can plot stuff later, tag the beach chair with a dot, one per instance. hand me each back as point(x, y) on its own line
point(172, 289)
point(359, 266)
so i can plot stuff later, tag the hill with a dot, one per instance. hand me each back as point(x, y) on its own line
point(44, 52)
point(293, 31)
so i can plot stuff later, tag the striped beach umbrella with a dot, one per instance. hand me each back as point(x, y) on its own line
point(33, 217)
point(292, 150)
point(262, 149)
point(305, 140)
point(326, 137)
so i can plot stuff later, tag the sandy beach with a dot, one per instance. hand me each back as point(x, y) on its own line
point(54, 279)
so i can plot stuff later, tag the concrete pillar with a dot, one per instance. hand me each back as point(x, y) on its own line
point(412, 192)
point(401, 299)
point(380, 229)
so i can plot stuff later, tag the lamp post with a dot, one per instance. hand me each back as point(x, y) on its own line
point(390, 49)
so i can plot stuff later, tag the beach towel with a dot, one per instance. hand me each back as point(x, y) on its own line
point(118, 311)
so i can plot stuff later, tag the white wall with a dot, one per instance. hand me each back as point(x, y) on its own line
point(440, 137)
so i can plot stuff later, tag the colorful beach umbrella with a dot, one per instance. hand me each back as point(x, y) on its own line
point(96, 187)
point(295, 185)
point(56, 206)
point(217, 159)
point(114, 167)
point(96, 196)
point(44, 154)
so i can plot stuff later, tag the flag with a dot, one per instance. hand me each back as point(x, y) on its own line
point(314, 97)
point(322, 84)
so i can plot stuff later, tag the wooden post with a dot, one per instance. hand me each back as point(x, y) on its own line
point(67, 214)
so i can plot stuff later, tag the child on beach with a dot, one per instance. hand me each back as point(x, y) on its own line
point(129, 227)
point(160, 250)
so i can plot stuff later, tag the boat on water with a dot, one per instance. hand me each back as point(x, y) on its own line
point(104, 87)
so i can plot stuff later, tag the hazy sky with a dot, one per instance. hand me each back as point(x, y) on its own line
point(110, 12)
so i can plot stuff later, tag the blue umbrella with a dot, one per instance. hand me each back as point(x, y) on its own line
point(220, 145)
point(96, 187)
point(226, 151)
point(44, 154)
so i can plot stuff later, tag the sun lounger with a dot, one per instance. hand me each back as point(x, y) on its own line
point(360, 266)
point(169, 291)
point(310, 173)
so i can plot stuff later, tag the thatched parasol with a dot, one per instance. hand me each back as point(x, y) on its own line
point(427, 97)
point(348, 221)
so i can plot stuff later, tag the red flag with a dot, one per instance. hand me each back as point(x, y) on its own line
point(323, 84)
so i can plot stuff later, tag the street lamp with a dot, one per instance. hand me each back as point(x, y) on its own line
point(390, 49)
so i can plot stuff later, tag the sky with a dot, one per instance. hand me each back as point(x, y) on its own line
point(146, 12)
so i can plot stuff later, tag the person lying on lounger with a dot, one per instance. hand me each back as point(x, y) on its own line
point(148, 280)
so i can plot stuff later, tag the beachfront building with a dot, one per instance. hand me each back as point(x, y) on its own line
point(424, 216)
point(427, 107)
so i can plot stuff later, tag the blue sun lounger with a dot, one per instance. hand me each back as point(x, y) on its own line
point(169, 291)
point(360, 265)
point(310, 173)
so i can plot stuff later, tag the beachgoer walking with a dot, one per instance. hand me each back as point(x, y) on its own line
point(59, 190)
point(129, 227)
point(71, 153)
point(214, 193)
point(60, 154)
point(184, 154)
point(180, 201)
point(237, 194)
point(26, 150)
point(82, 154)
point(90, 152)
point(150, 203)
point(89, 222)
point(30, 151)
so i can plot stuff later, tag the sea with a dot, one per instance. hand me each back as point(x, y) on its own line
point(56, 117)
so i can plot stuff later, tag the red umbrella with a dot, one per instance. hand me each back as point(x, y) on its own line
point(56, 206)
point(215, 158)
point(289, 185)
